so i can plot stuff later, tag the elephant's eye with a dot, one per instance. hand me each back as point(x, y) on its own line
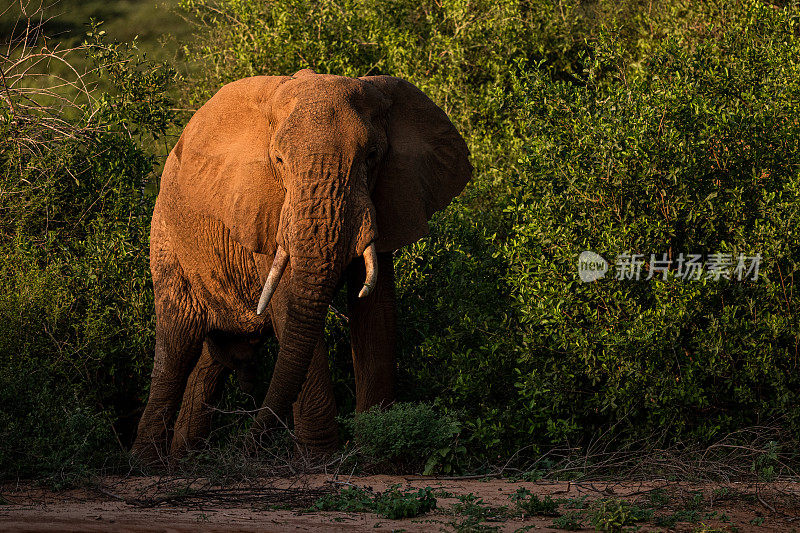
point(278, 160)
point(372, 155)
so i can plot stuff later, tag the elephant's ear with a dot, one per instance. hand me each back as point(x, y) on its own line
point(220, 168)
point(426, 166)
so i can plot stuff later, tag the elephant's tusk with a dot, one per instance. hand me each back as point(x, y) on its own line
point(371, 263)
point(274, 276)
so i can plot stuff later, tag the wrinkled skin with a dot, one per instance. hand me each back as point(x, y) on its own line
point(322, 166)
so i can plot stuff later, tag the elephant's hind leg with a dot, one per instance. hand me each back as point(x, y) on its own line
point(202, 391)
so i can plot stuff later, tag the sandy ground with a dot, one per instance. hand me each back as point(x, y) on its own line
point(162, 504)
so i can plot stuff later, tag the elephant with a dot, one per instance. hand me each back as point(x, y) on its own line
point(280, 191)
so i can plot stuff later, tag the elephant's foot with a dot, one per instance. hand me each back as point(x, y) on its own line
point(317, 442)
point(315, 452)
point(266, 432)
point(150, 454)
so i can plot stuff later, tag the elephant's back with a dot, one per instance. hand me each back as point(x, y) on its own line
point(220, 165)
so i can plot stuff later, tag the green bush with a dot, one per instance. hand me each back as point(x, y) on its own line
point(76, 319)
point(644, 127)
point(47, 430)
point(694, 150)
point(641, 127)
point(405, 434)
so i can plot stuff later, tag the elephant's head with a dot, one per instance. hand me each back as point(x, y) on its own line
point(317, 171)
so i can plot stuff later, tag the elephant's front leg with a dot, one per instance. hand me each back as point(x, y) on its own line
point(373, 333)
point(177, 349)
point(315, 409)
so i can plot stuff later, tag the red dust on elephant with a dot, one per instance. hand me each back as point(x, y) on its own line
point(280, 190)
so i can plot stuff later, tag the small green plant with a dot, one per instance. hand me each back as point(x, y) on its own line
point(393, 504)
point(472, 506)
point(396, 504)
point(349, 499)
point(444, 460)
point(530, 504)
point(692, 511)
point(696, 502)
point(703, 528)
point(473, 512)
point(658, 498)
point(531, 475)
point(470, 525)
point(613, 515)
point(570, 521)
point(764, 465)
point(682, 515)
point(581, 502)
point(720, 493)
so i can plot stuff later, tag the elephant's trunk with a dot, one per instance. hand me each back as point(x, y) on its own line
point(323, 225)
point(304, 328)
